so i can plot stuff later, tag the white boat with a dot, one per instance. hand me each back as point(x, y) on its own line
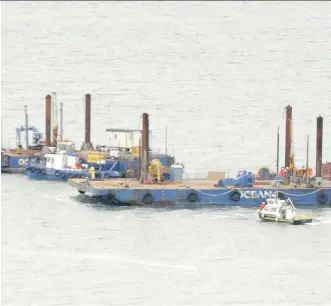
point(283, 211)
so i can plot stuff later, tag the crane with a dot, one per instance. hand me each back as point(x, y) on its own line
point(304, 171)
point(37, 140)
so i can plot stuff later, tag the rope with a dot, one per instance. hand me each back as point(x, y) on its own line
point(213, 195)
point(289, 194)
point(301, 195)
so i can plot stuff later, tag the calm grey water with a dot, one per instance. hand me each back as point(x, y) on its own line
point(219, 76)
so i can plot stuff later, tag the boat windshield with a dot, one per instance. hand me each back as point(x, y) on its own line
point(289, 203)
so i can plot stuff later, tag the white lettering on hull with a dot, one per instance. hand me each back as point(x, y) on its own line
point(253, 194)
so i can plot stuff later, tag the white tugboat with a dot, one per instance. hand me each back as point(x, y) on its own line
point(283, 211)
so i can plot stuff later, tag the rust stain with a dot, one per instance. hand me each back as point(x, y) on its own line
point(319, 146)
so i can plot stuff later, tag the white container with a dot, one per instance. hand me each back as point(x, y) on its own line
point(176, 172)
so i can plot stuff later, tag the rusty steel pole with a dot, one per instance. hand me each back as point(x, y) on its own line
point(48, 120)
point(145, 148)
point(87, 119)
point(288, 140)
point(319, 146)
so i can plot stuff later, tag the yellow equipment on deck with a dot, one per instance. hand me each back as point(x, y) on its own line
point(135, 151)
point(299, 172)
point(156, 170)
point(97, 157)
point(92, 173)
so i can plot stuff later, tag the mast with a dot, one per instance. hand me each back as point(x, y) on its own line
point(26, 127)
point(61, 121)
point(1, 133)
point(54, 121)
point(166, 141)
point(277, 163)
point(307, 158)
point(277, 176)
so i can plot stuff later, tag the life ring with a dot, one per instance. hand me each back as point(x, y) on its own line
point(21, 162)
point(57, 173)
point(235, 195)
point(148, 198)
point(43, 172)
point(192, 197)
point(281, 195)
point(322, 198)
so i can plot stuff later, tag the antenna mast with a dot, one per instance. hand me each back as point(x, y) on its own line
point(26, 127)
point(55, 125)
point(277, 151)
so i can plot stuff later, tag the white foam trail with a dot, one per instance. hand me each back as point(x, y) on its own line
point(55, 197)
point(62, 199)
point(124, 260)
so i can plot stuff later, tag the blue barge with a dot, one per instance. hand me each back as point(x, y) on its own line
point(17, 160)
point(12, 162)
point(196, 193)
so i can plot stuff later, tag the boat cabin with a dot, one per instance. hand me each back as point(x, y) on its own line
point(61, 160)
point(66, 145)
point(278, 202)
point(279, 208)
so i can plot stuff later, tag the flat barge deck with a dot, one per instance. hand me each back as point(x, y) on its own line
point(196, 193)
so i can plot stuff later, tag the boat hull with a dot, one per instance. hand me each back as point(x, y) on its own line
point(14, 163)
point(297, 221)
point(50, 174)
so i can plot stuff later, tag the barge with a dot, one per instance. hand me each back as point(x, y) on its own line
point(196, 193)
point(17, 161)
point(243, 191)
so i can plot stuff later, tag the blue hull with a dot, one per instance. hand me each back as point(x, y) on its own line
point(53, 175)
point(46, 177)
point(50, 174)
point(14, 163)
point(243, 197)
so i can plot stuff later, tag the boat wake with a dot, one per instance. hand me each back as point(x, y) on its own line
point(62, 199)
point(106, 257)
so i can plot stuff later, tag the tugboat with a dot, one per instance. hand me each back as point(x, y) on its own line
point(282, 211)
point(65, 164)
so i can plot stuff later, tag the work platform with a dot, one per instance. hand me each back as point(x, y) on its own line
point(197, 192)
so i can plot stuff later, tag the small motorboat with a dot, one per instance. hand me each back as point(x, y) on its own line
point(283, 211)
